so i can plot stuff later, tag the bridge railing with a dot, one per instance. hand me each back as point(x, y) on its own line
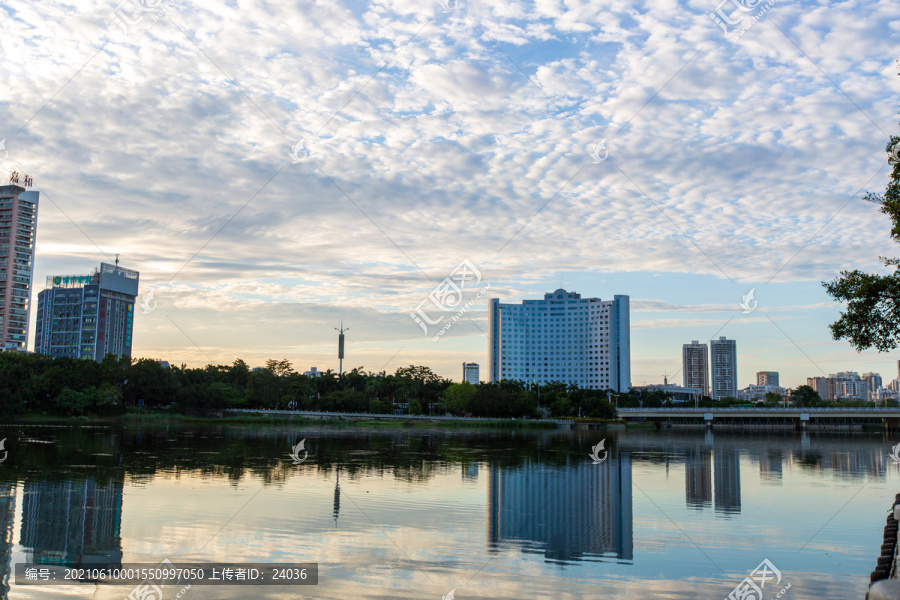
point(757, 410)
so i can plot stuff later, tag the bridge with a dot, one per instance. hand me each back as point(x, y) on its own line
point(799, 417)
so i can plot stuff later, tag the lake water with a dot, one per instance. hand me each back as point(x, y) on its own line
point(415, 513)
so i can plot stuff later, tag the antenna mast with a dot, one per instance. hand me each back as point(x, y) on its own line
point(341, 347)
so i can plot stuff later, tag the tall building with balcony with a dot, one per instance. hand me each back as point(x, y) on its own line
point(87, 316)
point(723, 368)
point(562, 338)
point(18, 223)
point(695, 366)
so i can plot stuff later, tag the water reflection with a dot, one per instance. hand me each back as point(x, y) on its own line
point(727, 483)
point(72, 522)
point(7, 521)
point(535, 496)
point(698, 477)
point(770, 466)
point(565, 514)
point(336, 510)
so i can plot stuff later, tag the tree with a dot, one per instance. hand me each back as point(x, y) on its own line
point(561, 407)
point(805, 395)
point(345, 401)
point(596, 406)
point(279, 368)
point(151, 382)
point(203, 397)
point(382, 406)
point(493, 401)
point(263, 389)
point(415, 407)
point(772, 398)
point(93, 400)
point(459, 396)
point(872, 317)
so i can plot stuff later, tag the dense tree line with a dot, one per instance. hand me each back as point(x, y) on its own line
point(41, 384)
point(34, 383)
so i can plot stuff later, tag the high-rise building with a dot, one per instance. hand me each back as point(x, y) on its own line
point(848, 384)
point(18, 222)
point(723, 368)
point(470, 373)
point(695, 366)
point(562, 338)
point(87, 316)
point(821, 386)
point(767, 378)
point(873, 383)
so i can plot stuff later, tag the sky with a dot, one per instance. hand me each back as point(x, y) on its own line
point(275, 168)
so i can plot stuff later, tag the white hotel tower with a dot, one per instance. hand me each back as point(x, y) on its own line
point(564, 338)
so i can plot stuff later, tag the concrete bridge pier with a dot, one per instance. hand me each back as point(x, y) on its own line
point(892, 424)
point(708, 419)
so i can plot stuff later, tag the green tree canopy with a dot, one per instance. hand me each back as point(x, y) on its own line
point(805, 395)
point(872, 316)
point(459, 396)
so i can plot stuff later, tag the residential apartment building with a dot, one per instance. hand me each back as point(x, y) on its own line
point(18, 224)
point(695, 366)
point(723, 368)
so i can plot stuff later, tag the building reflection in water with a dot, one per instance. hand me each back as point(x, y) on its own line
point(564, 513)
point(7, 519)
point(72, 522)
point(770, 466)
point(698, 478)
point(727, 482)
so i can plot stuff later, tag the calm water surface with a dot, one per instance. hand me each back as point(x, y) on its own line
point(413, 513)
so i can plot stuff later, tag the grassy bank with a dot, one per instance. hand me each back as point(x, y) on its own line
point(144, 416)
point(150, 417)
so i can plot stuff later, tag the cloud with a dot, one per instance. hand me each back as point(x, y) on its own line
point(436, 137)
